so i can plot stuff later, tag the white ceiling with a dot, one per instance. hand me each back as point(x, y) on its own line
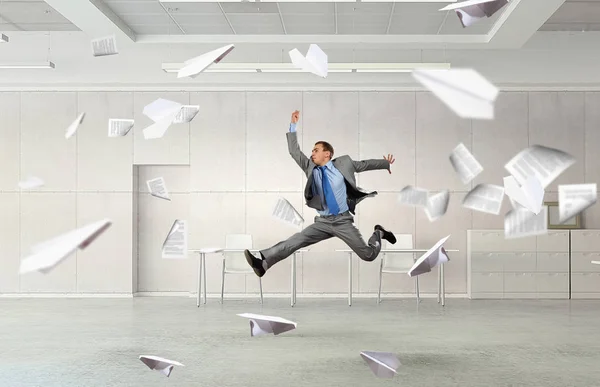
point(152, 17)
point(32, 15)
point(575, 15)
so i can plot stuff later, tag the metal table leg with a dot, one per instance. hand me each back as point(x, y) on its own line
point(204, 275)
point(292, 279)
point(439, 294)
point(349, 279)
point(199, 279)
point(443, 285)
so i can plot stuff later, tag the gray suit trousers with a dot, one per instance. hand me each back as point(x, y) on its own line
point(325, 227)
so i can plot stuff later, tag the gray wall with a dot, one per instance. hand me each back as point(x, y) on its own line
point(226, 169)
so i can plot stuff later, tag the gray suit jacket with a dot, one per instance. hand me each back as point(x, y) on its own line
point(344, 164)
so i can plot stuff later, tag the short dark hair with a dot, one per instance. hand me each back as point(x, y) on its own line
point(326, 147)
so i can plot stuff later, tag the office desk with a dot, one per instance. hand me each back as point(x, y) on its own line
point(213, 250)
point(441, 279)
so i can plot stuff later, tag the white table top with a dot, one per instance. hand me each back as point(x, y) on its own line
point(396, 250)
point(208, 250)
point(596, 262)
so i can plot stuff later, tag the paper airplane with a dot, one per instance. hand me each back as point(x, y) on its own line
point(159, 128)
point(315, 61)
point(73, 127)
point(433, 257)
point(530, 195)
point(162, 365)
point(46, 255)
point(383, 364)
point(575, 198)
point(470, 12)
point(163, 112)
point(31, 182)
point(105, 46)
point(263, 325)
point(158, 188)
point(464, 91)
point(193, 67)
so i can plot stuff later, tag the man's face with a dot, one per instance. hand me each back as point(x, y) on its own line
point(319, 155)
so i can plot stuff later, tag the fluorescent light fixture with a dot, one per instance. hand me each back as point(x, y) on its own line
point(307, 1)
point(332, 67)
point(3, 38)
point(45, 65)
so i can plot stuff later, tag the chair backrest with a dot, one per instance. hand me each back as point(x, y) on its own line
point(237, 261)
point(399, 261)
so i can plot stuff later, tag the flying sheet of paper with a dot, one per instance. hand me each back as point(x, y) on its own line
point(160, 364)
point(161, 108)
point(47, 255)
point(263, 325)
point(315, 61)
point(546, 164)
point(285, 212)
point(575, 198)
point(464, 91)
point(193, 67)
point(73, 127)
point(530, 195)
point(469, 12)
point(522, 223)
point(437, 205)
point(186, 114)
point(175, 245)
point(433, 257)
point(382, 364)
point(31, 182)
point(159, 128)
point(158, 188)
point(413, 196)
point(485, 198)
point(105, 46)
point(119, 127)
point(465, 164)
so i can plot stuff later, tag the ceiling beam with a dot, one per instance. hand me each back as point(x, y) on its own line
point(93, 17)
point(520, 21)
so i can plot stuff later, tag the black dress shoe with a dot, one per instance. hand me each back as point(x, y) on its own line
point(387, 235)
point(255, 263)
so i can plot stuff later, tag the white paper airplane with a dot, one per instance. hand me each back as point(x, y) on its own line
point(575, 198)
point(162, 365)
point(383, 364)
point(193, 67)
point(315, 61)
point(159, 128)
point(73, 127)
point(530, 195)
point(433, 257)
point(464, 91)
point(46, 255)
point(161, 108)
point(31, 182)
point(263, 325)
point(470, 12)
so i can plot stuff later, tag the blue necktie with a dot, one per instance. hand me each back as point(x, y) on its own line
point(334, 209)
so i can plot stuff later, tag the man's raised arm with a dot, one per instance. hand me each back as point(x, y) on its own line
point(292, 140)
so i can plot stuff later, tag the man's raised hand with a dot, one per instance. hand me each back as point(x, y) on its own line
point(295, 116)
point(391, 159)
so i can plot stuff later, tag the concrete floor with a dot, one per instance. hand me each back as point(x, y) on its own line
point(89, 342)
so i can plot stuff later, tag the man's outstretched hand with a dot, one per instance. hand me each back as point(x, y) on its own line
point(391, 159)
point(295, 116)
